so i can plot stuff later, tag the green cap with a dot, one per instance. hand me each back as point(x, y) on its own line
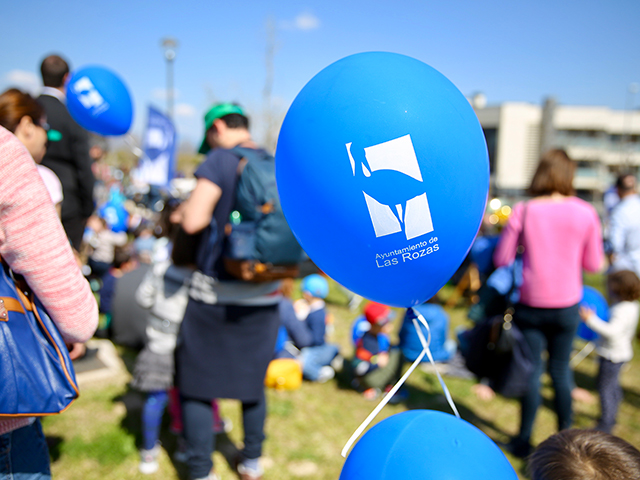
point(217, 111)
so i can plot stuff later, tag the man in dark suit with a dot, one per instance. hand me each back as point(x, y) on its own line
point(67, 150)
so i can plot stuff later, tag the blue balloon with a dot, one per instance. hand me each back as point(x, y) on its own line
point(115, 215)
point(383, 175)
point(593, 299)
point(99, 101)
point(426, 445)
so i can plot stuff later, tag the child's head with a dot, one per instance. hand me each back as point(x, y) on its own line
point(378, 315)
point(314, 286)
point(96, 223)
point(122, 258)
point(624, 285)
point(584, 455)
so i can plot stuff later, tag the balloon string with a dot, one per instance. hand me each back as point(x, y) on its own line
point(382, 403)
point(399, 383)
point(426, 348)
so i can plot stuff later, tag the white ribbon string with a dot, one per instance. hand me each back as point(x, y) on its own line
point(396, 387)
point(582, 354)
point(382, 403)
point(426, 348)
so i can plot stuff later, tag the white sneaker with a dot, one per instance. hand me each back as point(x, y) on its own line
point(337, 363)
point(326, 373)
point(211, 476)
point(249, 473)
point(149, 460)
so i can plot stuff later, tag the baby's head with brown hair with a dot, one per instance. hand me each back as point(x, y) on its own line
point(584, 455)
point(624, 285)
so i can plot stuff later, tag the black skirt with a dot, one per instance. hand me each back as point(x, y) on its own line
point(223, 351)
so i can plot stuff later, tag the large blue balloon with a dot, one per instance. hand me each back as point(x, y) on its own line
point(383, 176)
point(593, 299)
point(99, 101)
point(426, 445)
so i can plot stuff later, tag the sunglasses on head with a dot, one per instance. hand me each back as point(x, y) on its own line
point(42, 123)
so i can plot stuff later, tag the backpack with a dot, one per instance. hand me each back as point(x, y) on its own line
point(260, 246)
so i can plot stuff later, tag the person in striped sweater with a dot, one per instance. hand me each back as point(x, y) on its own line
point(33, 243)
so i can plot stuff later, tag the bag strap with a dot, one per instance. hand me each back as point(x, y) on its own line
point(246, 155)
point(22, 289)
point(520, 248)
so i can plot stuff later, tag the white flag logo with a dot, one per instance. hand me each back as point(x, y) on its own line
point(413, 213)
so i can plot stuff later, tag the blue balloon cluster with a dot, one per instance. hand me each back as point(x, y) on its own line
point(426, 445)
point(593, 299)
point(99, 101)
point(383, 176)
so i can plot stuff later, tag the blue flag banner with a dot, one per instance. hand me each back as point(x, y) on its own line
point(158, 162)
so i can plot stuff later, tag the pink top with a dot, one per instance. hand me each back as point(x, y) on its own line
point(33, 243)
point(52, 182)
point(561, 237)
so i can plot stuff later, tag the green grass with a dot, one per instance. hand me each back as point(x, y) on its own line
point(99, 435)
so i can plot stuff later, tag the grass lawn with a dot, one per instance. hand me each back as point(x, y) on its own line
point(99, 436)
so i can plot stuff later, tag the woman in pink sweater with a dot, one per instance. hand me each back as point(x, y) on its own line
point(33, 243)
point(561, 237)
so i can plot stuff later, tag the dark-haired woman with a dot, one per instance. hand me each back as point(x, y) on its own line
point(561, 237)
point(25, 118)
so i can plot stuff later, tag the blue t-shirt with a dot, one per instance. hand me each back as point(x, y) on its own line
point(297, 331)
point(316, 323)
point(221, 168)
point(374, 344)
point(107, 291)
point(438, 321)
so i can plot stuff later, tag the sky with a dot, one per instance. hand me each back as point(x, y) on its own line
point(580, 52)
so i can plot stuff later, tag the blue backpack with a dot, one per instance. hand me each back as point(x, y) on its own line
point(260, 246)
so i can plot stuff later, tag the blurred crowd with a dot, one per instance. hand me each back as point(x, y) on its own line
point(202, 336)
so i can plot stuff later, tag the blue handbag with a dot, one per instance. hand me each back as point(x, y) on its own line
point(36, 373)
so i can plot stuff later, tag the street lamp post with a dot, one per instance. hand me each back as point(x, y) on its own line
point(169, 45)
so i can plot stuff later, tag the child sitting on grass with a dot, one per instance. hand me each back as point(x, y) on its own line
point(317, 355)
point(615, 342)
point(376, 365)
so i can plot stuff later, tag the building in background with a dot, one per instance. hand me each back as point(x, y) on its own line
point(602, 141)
